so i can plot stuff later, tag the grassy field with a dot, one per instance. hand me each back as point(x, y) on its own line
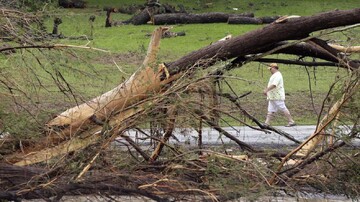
point(90, 73)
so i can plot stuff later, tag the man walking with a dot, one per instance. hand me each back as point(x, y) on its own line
point(275, 93)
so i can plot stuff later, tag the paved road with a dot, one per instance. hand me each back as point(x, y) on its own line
point(245, 134)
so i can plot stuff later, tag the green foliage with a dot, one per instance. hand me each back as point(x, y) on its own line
point(20, 125)
point(34, 5)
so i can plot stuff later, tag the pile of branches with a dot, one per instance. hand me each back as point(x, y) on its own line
point(20, 27)
point(25, 5)
point(183, 178)
point(212, 176)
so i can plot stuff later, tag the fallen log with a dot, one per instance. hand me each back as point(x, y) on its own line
point(146, 14)
point(244, 20)
point(269, 19)
point(187, 18)
point(169, 34)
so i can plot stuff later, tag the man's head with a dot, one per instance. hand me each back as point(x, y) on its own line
point(273, 67)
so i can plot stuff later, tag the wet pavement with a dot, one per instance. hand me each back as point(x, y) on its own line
point(248, 135)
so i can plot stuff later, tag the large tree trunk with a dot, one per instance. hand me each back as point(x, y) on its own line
point(253, 42)
point(186, 18)
point(148, 82)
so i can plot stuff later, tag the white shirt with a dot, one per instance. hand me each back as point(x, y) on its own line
point(277, 93)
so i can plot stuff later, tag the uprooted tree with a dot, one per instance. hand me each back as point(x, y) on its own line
point(153, 90)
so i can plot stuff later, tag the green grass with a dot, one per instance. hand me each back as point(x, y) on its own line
point(90, 73)
point(75, 22)
point(116, 39)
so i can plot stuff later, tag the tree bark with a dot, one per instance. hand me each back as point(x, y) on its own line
point(186, 18)
point(143, 17)
point(268, 19)
point(244, 20)
point(108, 22)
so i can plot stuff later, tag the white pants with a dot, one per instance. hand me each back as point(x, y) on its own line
point(275, 105)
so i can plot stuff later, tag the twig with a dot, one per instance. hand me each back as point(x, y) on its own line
point(136, 147)
point(171, 114)
point(242, 144)
point(297, 62)
point(54, 46)
point(310, 90)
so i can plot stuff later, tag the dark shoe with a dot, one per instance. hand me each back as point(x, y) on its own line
point(291, 124)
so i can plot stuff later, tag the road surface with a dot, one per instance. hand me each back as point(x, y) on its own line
point(245, 134)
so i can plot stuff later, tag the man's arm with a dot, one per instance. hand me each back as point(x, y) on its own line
point(269, 89)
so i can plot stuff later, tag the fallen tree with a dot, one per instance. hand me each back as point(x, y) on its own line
point(257, 41)
point(188, 18)
point(73, 122)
